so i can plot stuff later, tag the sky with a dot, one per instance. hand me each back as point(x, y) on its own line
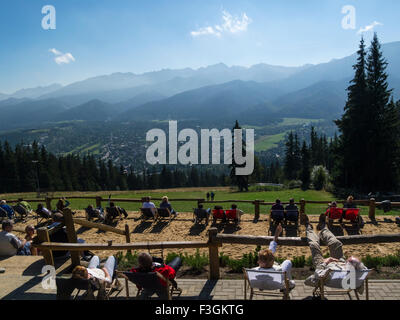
point(96, 37)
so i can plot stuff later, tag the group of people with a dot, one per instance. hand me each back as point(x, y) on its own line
point(210, 195)
point(11, 245)
point(280, 213)
point(335, 261)
point(146, 263)
point(22, 208)
point(164, 204)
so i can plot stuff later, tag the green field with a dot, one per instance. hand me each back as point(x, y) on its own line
point(265, 143)
point(221, 193)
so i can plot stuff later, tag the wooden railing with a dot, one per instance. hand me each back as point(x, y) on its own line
point(372, 204)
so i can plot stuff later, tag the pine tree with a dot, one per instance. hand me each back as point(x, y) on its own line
point(305, 167)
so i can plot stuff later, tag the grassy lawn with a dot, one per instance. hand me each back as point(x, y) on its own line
point(221, 193)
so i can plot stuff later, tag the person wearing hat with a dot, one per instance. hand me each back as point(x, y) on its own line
point(11, 245)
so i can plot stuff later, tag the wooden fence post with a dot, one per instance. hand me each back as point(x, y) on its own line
point(71, 234)
point(43, 236)
point(98, 202)
point(302, 206)
point(127, 235)
point(256, 210)
point(372, 206)
point(213, 254)
point(48, 203)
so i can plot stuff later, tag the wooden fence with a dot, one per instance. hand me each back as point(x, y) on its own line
point(372, 204)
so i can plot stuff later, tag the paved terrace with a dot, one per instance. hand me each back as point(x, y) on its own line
point(22, 281)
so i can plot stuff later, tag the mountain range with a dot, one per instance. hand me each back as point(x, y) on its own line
point(215, 92)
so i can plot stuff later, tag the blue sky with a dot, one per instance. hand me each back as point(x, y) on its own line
point(94, 37)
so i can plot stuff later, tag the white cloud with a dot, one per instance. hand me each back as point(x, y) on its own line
point(369, 27)
point(62, 58)
point(231, 24)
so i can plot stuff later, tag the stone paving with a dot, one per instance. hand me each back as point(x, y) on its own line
point(24, 283)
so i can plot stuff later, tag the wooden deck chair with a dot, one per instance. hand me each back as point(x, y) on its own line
point(231, 215)
point(266, 283)
point(292, 218)
point(275, 217)
point(218, 214)
point(353, 216)
point(164, 213)
point(67, 285)
point(200, 214)
point(147, 213)
point(333, 279)
point(147, 280)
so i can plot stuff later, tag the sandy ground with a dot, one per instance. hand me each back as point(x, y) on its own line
point(182, 229)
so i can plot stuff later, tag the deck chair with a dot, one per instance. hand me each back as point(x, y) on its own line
point(276, 217)
point(148, 280)
point(334, 214)
point(333, 279)
point(292, 219)
point(112, 213)
point(231, 215)
point(200, 214)
point(266, 283)
point(67, 285)
point(147, 213)
point(353, 216)
point(218, 214)
point(164, 213)
point(3, 215)
point(40, 216)
point(21, 210)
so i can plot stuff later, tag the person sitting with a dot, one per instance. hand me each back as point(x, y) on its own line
point(349, 204)
point(22, 208)
point(169, 271)
point(30, 234)
point(239, 212)
point(62, 203)
point(277, 211)
point(11, 245)
point(147, 204)
point(266, 259)
point(291, 211)
point(94, 213)
point(200, 213)
point(219, 213)
point(43, 211)
point(336, 260)
point(166, 205)
point(101, 276)
point(8, 209)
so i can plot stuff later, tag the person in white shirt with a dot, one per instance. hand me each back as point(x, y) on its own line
point(11, 245)
point(266, 259)
point(93, 271)
point(336, 261)
point(147, 204)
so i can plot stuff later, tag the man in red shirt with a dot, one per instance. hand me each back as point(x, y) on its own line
point(168, 271)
